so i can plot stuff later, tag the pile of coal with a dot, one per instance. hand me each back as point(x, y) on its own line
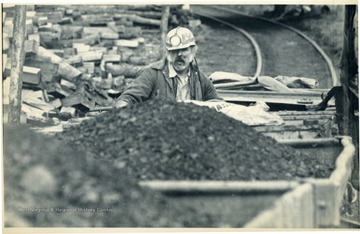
point(49, 184)
point(158, 140)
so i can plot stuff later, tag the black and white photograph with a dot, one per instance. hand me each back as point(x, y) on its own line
point(180, 117)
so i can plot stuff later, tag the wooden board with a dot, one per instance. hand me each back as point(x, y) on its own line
point(48, 70)
point(31, 75)
point(312, 98)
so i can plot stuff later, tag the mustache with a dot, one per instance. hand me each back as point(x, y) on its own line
point(179, 60)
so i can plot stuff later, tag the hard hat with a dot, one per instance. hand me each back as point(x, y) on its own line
point(179, 38)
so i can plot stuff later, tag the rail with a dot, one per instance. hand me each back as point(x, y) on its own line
point(334, 76)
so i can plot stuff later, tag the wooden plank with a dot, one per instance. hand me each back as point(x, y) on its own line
point(6, 91)
point(291, 128)
point(109, 35)
point(6, 42)
point(139, 19)
point(58, 52)
point(125, 53)
point(48, 70)
point(137, 60)
point(343, 168)
point(66, 20)
point(69, 11)
point(304, 206)
point(143, 20)
point(36, 99)
point(97, 30)
point(113, 58)
point(327, 112)
point(288, 211)
point(3, 18)
point(310, 142)
point(33, 112)
point(101, 83)
point(30, 8)
point(145, 8)
point(34, 37)
point(83, 70)
point(31, 47)
point(49, 27)
point(53, 16)
point(30, 28)
point(31, 94)
point(89, 40)
point(219, 186)
point(78, 100)
point(9, 26)
point(112, 25)
point(81, 47)
point(293, 210)
point(271, 97)
point(90, 67)
point(307, 122)
point(123, 70)
point(40, 20)
point(295, 214)
point(96, 19)
point(31, 75)
point(56, 103)
point(65, 70)
point(75, 60)
point(67, 84)
point(98, 49)
point(69, 52)
point(292, 135)
point(129, 32)
point(57, 91)
point(100, 97)
point(127, 43)
point(91, 56)
point(318, 117)
point(45, 8)
point(71, 111)
point(325, 208)
point(49, 37)
point(150, 14)
point(71, 31)
point(4, 62)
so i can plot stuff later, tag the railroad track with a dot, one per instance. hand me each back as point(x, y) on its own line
point(275, 48)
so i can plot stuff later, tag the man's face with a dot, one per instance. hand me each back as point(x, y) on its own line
point(181, 59)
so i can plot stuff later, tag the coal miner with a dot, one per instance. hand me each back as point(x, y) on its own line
point(174, 78)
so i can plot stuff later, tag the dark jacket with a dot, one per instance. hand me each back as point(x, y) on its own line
point(154, 82)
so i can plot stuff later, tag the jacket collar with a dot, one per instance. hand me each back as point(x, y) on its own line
point(159, 65)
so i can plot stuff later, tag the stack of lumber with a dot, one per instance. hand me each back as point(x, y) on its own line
point(79, 58)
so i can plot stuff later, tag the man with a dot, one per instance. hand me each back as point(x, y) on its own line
point(175, 78)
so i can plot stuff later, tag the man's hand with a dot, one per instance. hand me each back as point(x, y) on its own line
point(120, 104)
